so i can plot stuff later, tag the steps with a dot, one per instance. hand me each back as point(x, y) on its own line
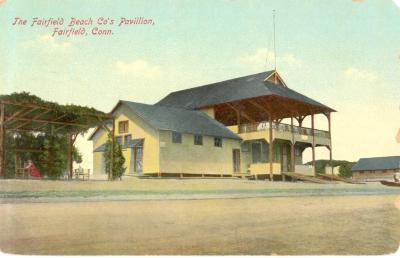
point(337, 178)
point(306, 178)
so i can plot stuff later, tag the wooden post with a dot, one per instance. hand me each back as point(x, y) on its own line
point(271, 174)
point(238, 120)
point(292, 156)
point(2, 140)
point(69, 155)
point(330, 141)
point(313, 144)
point(111, 174)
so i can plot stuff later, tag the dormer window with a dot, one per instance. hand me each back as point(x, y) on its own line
point(123, 126)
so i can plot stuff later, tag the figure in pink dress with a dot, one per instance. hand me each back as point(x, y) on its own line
point(33, 171)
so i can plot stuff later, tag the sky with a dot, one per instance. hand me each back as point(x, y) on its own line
point(343, 53)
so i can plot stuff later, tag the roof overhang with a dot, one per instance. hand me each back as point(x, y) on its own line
point(263, 108)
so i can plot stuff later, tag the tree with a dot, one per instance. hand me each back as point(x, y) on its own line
point(76, 155)
point(118, 169)
point(344, 164)
point(345, 169)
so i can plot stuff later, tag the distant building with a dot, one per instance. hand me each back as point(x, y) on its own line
point(375, 169)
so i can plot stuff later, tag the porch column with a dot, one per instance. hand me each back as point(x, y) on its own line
point(271, 174)
point(238, 120)
point(292, 143)
point(2, 141)
point(330, 141)
point(313, 144)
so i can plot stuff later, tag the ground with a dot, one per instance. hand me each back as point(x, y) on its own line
point(197, 217)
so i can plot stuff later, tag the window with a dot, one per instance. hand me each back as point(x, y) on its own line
point(217, 141)
point(127, 139)
point(176, 137)
point(245, 147)
point(198, 139)
point(119, 139)
point(123, 127)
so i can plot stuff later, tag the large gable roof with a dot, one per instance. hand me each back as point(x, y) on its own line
point(179, 120)
point(377, 163)
point(246, 87)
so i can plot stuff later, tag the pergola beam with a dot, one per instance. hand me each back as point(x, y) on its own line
point(49, 121)
point(57, 119)
point(20, 113)
point(35, 117)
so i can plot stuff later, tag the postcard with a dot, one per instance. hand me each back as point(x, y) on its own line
point(175, 127)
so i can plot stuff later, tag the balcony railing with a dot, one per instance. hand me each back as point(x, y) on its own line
point(281, 127)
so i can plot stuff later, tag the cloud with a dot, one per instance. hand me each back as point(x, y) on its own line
point(360, 75)
point(138, 68)
point(48, 42)
point(397, 2)
point(264, 56)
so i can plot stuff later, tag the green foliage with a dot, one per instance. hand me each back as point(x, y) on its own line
point(52, 161)
point(52, 139)
point(118, 169)
point(69, 113)
point(76, 155)
point(345, 169)
point(322, 163)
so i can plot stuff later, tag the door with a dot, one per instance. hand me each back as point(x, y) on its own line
point(256, 152)
point(285, 159)
point(136, 164)
point(139, 160)
point(132, 162)
point(236, 160)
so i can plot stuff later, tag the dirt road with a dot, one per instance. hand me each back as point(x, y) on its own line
point(295, 225)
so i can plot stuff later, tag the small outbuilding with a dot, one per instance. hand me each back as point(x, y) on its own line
point(376, 169)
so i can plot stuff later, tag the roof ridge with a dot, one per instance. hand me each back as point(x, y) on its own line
point(159, 106)
point(380, 157)
point(210, 84)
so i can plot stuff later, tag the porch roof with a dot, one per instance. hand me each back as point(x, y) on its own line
point(247, 87)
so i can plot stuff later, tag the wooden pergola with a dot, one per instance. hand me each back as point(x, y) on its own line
point(22, 112)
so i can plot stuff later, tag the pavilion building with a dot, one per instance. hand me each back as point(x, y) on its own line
point(228, 128)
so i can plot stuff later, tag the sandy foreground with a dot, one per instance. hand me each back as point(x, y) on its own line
point(296, 225)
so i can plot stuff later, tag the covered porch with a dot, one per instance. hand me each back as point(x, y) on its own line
point(258, 121)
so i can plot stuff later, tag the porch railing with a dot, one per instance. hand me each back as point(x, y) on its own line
point(281, 127)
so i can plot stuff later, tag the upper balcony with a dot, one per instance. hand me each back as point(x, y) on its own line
point(283, 131)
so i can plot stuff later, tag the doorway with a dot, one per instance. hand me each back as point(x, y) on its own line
point(236, 160)
point(136, 164)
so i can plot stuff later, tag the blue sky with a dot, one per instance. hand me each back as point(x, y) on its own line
point(343, 53)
